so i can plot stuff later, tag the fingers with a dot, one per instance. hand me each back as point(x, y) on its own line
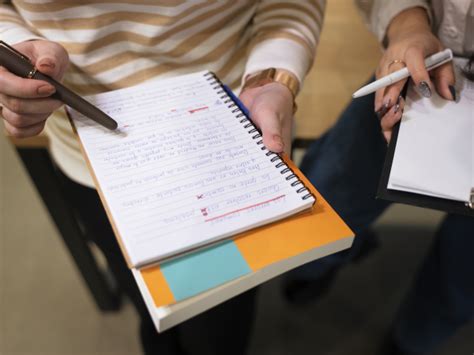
point(444, 81)
point(24, 132)
point(269, 123)
point(379, 103)
point(391, 118)
point(22, 121)
point(416, 66)
point(393, 91)
point(386, 97)
point(50, 58)
point(13, 85)
point(379, 94)
point(29, 106)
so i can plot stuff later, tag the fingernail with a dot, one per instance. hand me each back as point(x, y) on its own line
point(424, 89)
point(397, 104)
point(49, 63)
point(380, 113)
point(277, 138)
point(46, 90)
point(452, 90)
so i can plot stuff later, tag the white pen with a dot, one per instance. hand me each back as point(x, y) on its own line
point(431, 62)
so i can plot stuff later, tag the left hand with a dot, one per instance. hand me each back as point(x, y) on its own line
point(271, 110)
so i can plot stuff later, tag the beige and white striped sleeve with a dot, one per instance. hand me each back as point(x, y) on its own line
point(285, 35)
point(12, 27)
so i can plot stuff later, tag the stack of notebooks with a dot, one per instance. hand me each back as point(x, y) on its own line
point(201, 209)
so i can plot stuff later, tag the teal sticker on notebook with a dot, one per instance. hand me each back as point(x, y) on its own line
point(202, 270)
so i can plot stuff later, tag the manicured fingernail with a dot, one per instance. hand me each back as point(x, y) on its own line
point(397, 104)
point(49, 63)
point(452, 90)
point(46, 90)
point(277, 138)
point(424, 89)
point(380, 113)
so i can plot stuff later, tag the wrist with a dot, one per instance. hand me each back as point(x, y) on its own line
point(286, 79)
point(407, 23)
point(273, 75)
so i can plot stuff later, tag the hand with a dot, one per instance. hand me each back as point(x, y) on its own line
point(411, 41)
point(271, 109)
point(24, 103)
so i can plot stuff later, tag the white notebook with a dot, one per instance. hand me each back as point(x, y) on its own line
point(434, 154)
point(185, 169)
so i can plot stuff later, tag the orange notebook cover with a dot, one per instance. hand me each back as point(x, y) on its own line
point(262, 247)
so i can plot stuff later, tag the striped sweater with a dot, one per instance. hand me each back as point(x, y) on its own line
point(117, 43)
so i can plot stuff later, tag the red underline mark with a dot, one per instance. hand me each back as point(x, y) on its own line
point(198, 109)
point(245, 208)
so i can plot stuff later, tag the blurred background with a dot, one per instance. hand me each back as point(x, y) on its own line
point(45, 307)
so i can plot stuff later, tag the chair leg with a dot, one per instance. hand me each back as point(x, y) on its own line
point(42, 172)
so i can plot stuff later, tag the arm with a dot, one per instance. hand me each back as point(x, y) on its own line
point(12, 27)
point(284, 36)
point(408, 38)
point(24, 103)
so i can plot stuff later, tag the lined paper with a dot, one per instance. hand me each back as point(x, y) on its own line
point(435, 146)
point(182, 171)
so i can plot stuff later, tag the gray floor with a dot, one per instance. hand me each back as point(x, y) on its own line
point(45, 308)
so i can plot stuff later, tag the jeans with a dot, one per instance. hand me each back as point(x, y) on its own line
point(345, 165)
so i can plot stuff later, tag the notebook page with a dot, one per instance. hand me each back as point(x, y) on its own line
point(183, 171)
point(434, 153)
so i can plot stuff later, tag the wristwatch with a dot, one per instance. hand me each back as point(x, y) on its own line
point(271, 75)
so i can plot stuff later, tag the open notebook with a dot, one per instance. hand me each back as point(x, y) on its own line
point(434, 148)
point(187, 168)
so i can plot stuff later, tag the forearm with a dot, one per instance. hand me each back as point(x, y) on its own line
point(285, 35)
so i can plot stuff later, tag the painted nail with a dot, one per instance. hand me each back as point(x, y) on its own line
point(380, 113)
point(397, 107)
point(46, 90)
point(49, 63)
point(452, 90)
point(424, 89)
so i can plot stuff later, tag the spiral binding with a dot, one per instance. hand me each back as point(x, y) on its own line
point(288, 173)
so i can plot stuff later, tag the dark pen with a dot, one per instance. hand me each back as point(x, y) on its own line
point(19, 64)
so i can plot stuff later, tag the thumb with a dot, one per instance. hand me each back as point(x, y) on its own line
point(50, 58)
point(269, 123)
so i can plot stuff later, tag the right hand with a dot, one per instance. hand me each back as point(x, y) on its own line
point(25, 104)
point(411, 41)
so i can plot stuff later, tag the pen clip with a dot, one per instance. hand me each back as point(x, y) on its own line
point(13, 50)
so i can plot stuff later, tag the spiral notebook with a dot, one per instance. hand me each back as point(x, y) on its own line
point(187, 168)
